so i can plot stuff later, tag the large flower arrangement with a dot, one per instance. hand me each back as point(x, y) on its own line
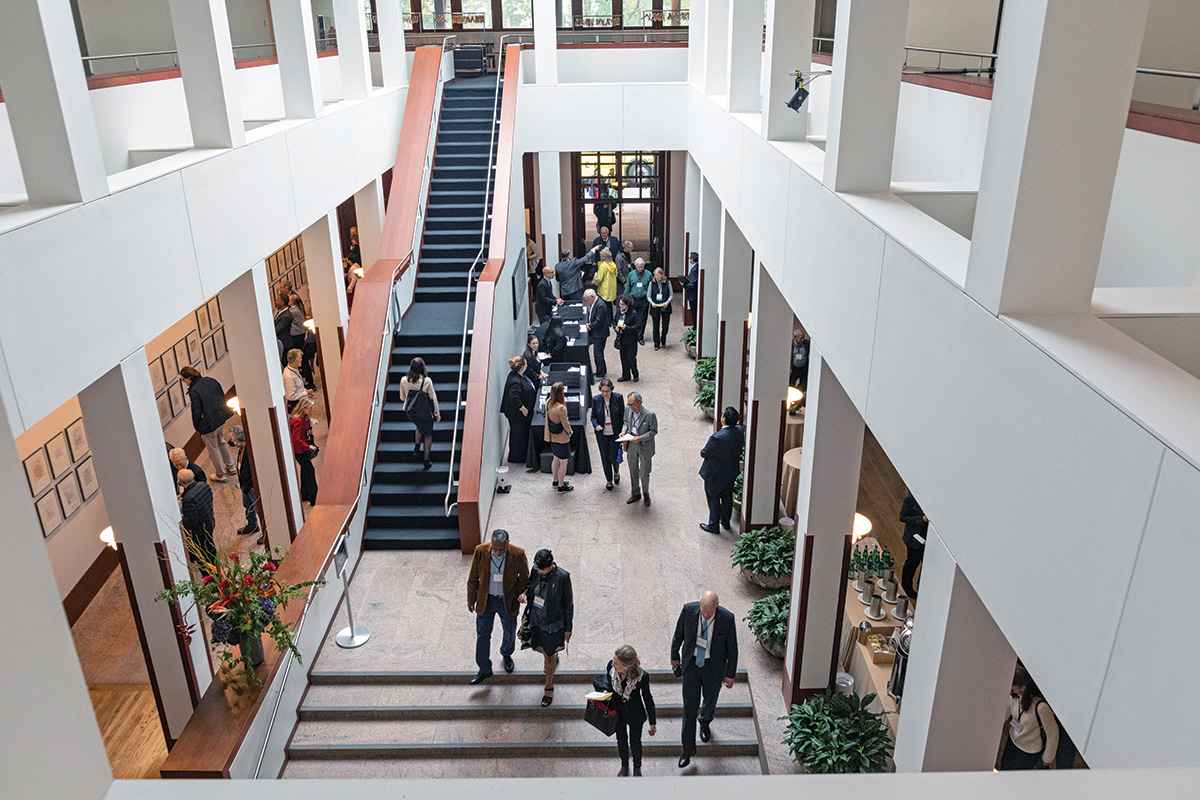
point(242, 597)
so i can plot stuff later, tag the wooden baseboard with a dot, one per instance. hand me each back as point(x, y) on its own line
point(86, 589)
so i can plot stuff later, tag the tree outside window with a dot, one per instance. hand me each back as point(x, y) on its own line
point(518, 13)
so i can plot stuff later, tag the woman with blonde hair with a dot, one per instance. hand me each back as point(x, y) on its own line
point(660, 296)
point(517, 406)
point(303, 449)
point(558, 433)
point(630, 687)
point(606, 278)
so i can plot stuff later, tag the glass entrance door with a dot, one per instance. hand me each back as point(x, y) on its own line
point(624, 191)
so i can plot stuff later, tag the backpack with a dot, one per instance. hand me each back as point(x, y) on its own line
point(417, 405)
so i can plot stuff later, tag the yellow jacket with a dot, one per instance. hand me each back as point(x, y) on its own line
point(606, 281)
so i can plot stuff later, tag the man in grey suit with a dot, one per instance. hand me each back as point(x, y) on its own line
point(704, 653)
point(569, 273)
point(642, 424)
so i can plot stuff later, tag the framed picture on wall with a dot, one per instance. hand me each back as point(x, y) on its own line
point(270, 264)
point(210, 353)
point(175, 395)
point(299, 247)
point(214, 311)
point(303, 274)
point(164, 409)
point(158, 378)
point(49, 513)
point(193, 347)
point(87, 478)
point(181, 353)
point(290, 249)
point(202, 320)
point(60, 454)
point(170, 366)
point(68, 495)
point(219, 342)
point(37, 470)
point(78, 440)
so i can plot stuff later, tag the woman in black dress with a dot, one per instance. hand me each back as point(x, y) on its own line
point(630, 687)
point(517, 405)
point(556, 341)
point(551, 612)
point(533, 365)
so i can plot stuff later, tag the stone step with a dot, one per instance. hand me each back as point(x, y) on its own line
point(601, 764)
point(451, 678)
point(322, 713)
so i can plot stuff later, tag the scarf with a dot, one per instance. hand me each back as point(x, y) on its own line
point(620, 687)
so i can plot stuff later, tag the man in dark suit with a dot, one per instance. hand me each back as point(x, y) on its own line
point(691, 283)
point(179, 460)
point(606, 239)
point(196, 513)
point(599, 325)
point(544, 299)
point(720, 469)
point(916, 528)
point(705, 650)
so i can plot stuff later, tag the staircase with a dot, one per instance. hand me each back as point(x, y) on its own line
point(406, 510)
point(436, 725)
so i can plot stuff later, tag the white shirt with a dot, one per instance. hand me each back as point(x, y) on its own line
point(703, 637)
point(293, 384)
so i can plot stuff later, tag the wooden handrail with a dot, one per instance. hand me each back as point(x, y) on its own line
point(470, 526)
point(215, 733)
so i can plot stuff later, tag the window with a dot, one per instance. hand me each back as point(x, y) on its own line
point(476, 14)
point(637, 13)
point(676, 12)
point(596, 14)
point(435, 15)
point(518, 13)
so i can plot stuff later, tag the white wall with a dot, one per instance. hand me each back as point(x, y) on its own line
point(622, 65)
point(939, 135)
point(249, 22)
point(1172, 30)
point(12, 182)
point(968, 25)
point(113, 27)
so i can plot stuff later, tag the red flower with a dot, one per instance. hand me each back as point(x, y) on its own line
point(234, 557)
point(269, 566)
point(207, 579)
point(248, 581)
point(223, 585)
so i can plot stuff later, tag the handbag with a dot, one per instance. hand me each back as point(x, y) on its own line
point(524, 632)
point(601, 715)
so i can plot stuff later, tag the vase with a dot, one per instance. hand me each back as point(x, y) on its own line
point(768, 581)
point(252, 649)
point(691, 350)
point(700, 384)
point(774, 648)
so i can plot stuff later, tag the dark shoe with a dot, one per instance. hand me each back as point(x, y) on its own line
point(261, 540)
point(566, 487)
point(622, 380)
point(705, 732)
point(637, 772)
point(726, 527)
point(657, 347)
point(608, 486)
point(704, 526)
point(624, 773)
point(417, 449)
point(547, 697)
point(617, 478)
point(508, 664)
point(635, 378)
point(684, 760)
point(633, 499)
point(246, 531)
point(646, 499)
point(532, 469)
point(428, 465)
point(480, 677)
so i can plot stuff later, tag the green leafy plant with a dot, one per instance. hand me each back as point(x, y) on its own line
point(737, 487)
point(689, 337)
point(768, 618)
point(765, 551)
point(706, 396)
point(835, 733)
point(706, 369)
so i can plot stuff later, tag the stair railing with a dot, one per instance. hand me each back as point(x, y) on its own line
point(447, 506)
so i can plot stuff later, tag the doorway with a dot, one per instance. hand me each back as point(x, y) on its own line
point(625, 191)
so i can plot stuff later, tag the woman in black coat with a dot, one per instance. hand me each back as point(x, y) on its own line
point(630, 687)
point(629, 329)
point(556, 341)
point(517, 405)
point(551, 614)
point(533, 364)
point(608, 417)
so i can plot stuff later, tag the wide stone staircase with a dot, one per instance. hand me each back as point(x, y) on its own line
point(367, 724)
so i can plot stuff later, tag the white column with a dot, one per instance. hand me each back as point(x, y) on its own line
point(868, 54)
point(733, 307)
point(691, 201)
point(676, 202)
point(50, 744)
point(368, 209)
point(1063, 84)
point(833, 437)
point(710, 268)
point(327, 291)
point(206, 62)
point(716, 46)
point(295, 44)
point(127, 447)
point(745, 54)
point(697, 12)
point(247, 309)
point(545, 42)
point(46, 97)
point(550, 204)
point(960, 669)
point(353, 56)
point(393, 59)
point(789, 47)
point(770, 358)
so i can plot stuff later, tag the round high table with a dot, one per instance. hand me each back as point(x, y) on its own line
point(793, 435)
point(790, 489)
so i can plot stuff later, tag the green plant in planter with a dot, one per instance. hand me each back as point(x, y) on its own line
point(765, 551)
point(689, 337)
point(835, 733)
point(706, 369)
point(737, 487)
point(768, 618)
point(706, 395)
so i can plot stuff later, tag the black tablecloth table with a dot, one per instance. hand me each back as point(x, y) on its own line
point(574, 317)
point(577, 390)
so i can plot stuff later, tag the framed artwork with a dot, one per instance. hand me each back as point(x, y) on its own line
point(299, 247)
point(170, 365)
point(214, 311)
point(87, 478)
point(181, 353)
point(202, 320)
point(49, 513)
point(68, 495)
point(193, 347)
point(210, 353)
point(270, 264)
point(37, 470)
point(164, 409)
point(176, 395)
point(219, 342)
point(187, 399)
point(158, 378)
point(291, 252)
point(60, 454)
point(78, 440)
point(303, 274)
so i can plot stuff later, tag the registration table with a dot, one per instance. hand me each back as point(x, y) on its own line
point(578, 410)
point(574, 319)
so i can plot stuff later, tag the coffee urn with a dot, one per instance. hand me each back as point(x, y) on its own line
point(900, 665)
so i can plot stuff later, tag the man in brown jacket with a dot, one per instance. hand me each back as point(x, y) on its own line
point(499, 575)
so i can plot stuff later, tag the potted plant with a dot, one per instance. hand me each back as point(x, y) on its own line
point(765, 556)
point(705, 371)
point(836, 733)
point(768, 621)
point(706, 397)
point(689, 341)
point(242, 597)
point(737, 492)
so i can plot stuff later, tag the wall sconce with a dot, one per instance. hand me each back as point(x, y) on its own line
point(862, 526)
point(795, 399)
point(108, 537)
point(235, 405)
point(310, 325)
point(358, 271)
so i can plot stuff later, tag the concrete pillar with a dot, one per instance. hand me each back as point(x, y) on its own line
point(691, 201)
point(550, 204)
point(353, 57)
point(710, 269)
point(393, 60)
point(789, 45)
point(206, 62)
point(716, 46)
point(368, 211)
point(127, 447)
point(327, 291)
point(959, 672)
point(295, 44)
point(675, 203)
point(46, 97)
point(733, 309)
point(868, 54)
point(770, 359)
point(1054, 138)
point(745, 54)
point(833, 437)
point(247, 309)
point(545, 42)
point(696, 43)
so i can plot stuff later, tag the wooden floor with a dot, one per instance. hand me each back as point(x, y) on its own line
point(129, 724)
